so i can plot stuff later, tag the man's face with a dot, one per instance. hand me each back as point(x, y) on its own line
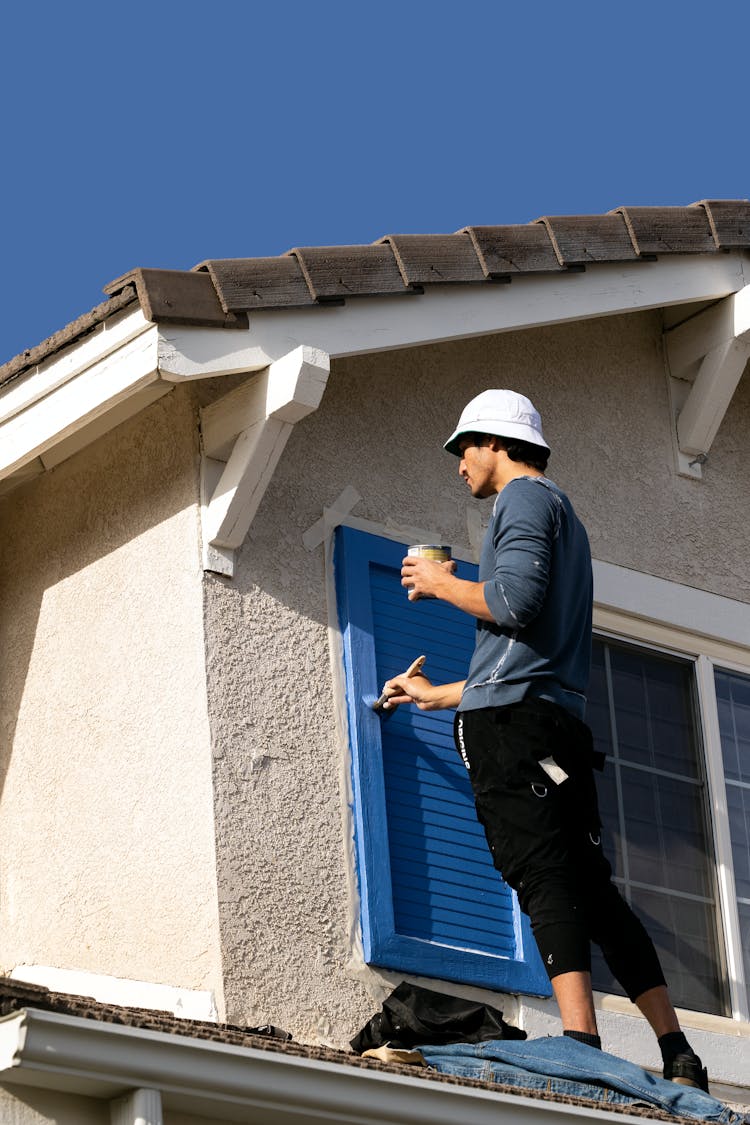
point(477, 466)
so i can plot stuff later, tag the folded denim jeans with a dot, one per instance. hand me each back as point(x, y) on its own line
point(562, 1066)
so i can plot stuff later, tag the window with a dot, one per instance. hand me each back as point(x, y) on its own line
point(675, 794)
point(643, 711)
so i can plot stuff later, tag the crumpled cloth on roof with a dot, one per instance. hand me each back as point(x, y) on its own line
point(564, 1067)
point(412, 1014)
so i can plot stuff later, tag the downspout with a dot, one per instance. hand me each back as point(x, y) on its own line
point(139, 1107)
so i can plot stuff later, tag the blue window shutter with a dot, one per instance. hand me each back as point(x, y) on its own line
point(431, 900)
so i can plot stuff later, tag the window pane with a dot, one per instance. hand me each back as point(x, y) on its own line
point(733, 698)
point(612, 827)
point(653, 711)
point(738, 805)
point(744, 911)
point(597, 708)
point(665, 830)
point(684, 934)
point(652, 800)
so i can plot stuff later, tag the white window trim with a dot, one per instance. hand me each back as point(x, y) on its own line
point(709, 629)
point(722, 844)
point(676, 616)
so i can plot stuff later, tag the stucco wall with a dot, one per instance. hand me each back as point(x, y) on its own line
point(280, 767)
point(23, 1105)
point(107, 858)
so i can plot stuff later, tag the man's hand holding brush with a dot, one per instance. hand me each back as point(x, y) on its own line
point(412, 686)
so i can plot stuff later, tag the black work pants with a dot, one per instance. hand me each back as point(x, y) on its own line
point(531, 770)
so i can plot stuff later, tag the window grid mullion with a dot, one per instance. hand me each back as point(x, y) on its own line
point(668, 892)
point(657, 772)
point(618, 777)
point(722, 842)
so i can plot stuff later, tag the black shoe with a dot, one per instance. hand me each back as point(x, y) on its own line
point(687, 1070)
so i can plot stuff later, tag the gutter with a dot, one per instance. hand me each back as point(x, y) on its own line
point(135, 1068)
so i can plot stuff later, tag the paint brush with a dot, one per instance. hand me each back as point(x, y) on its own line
point(382, 704)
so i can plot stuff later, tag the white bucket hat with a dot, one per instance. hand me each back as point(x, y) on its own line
point(504, 413)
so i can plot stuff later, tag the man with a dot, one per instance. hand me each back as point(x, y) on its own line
point(519, 721)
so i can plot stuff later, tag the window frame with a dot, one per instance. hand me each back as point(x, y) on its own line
point(725, 905)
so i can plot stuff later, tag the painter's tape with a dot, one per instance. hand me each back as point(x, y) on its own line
point(331, 518)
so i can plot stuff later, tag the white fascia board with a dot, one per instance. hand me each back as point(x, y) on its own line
point(53, 372)
point(84, 395)
point(451, 312)
point(230, 1083)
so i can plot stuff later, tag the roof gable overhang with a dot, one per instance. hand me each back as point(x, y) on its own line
point(49, 411)
point(452, 312)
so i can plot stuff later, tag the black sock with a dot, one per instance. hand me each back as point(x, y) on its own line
point(585, 1037)
point(672, 1044)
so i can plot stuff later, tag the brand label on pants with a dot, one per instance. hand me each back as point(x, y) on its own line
point(461, 745)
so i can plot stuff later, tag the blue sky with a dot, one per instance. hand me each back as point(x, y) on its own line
point(163, 133)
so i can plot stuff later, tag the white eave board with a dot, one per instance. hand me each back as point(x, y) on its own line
point(451, 312)
point(89, 381)
point(45, 377)
point(85, 395)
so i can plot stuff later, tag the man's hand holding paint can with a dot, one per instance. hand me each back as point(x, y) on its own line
point(423, 569)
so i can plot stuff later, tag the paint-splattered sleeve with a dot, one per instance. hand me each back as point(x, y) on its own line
point(525, 526)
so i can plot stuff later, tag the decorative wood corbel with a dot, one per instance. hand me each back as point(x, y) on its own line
point(706, 355)
point(244, 435)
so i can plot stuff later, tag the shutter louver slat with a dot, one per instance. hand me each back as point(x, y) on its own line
point(443, 866)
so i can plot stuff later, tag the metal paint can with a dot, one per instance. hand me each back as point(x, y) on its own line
point(436, 552)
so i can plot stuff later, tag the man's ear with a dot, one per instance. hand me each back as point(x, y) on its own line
point(493, 442)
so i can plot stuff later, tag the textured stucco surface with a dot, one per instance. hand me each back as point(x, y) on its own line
point(107, 858)
point(279, 761)
point(23, 1105)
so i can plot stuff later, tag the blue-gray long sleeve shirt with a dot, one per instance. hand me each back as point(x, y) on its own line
point(536, 566)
